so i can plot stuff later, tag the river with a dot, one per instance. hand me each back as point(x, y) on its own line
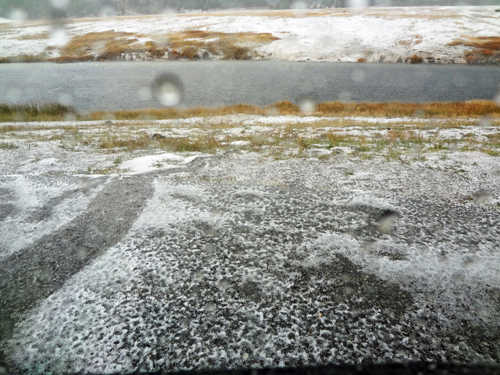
point(108, 86)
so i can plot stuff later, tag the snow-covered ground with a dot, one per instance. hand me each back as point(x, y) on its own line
point(247, 258)
point(374, 34)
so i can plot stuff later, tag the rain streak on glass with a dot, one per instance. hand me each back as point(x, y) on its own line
point(168, 90)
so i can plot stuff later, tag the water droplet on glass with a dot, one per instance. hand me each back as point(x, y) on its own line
point(108, 117)
point(496, 99)
point(70, 117)
point(443, 258)
point(307, 106)
point(482, 196)
point(358, 76)
point(369, 246)
point(106, 12)
point(273, 111)
point(81, 252)
point(59, 4)
point(439, 230)
point(65, 99)
point(357, 3)
point(486, 122)
point(168, 12)
point(144, 93)
point(348, 290)
point(457, 277)
point(224, 284)
point(168, 90)
point(14, 94)
point(59, 35)
point(299, 5)
point(345, 96)
point(387, 221)
point(210, 248)
point(419, 113)
point(18, 15)
point(460, 80)
point(211, 307)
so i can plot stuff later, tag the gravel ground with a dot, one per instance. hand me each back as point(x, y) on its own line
point(238, 260)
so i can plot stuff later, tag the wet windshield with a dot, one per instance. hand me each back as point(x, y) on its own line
point(199, 185)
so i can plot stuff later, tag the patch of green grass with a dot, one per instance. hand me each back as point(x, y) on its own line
point(491, 152)
point(173, 144)
point(8, 146)
point(33, 112)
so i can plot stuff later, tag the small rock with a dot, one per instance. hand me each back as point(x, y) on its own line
point(204, 54)
point(158, 136)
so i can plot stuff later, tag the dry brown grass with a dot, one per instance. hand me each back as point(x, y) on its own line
point(415, 59)
point(470, 109)
point(362, 60)
point(475, 108)
point(487, 48)
point(205, 143)
point(23, 59)
point(232, 46)
point(34, 112)
point(284, 108)
point(482, 42)
point(34, 36)
point(109, 45)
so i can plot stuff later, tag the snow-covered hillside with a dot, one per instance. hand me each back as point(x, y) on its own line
point(348, 35)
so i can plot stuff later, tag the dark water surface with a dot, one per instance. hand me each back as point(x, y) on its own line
point(124, 85)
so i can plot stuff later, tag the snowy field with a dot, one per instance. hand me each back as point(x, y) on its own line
point(278, 247)
point(372, 34)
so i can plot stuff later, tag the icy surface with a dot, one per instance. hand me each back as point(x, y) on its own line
point(245, 262)
point(33, 206)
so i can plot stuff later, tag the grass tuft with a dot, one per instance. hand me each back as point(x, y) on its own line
point(487, 49)
point(34, 112)
point(58, 112)
point(415, 59)
point(285, 108)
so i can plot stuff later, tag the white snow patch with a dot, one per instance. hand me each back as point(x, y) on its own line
point(377, 34)
point(150, 163)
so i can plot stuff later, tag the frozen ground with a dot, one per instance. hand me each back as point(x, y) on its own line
point(374, 34)
point(146, 259)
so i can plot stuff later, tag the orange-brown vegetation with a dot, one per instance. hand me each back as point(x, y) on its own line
point(476, 108)
point(33, 36)
point(109, 45)
point(470, 109)
point(415, 59)
point(487, 49)
point(232, 46)
point(361, 60)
